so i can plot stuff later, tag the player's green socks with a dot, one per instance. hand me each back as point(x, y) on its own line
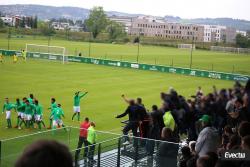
point(39, 125)
point(43, 124)
point(8, 124)
point(73, 116)
point(78, 116)
point(18, 121)
point(50, 123)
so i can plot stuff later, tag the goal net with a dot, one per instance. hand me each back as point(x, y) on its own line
point(230, 49)
point(186, 46)
point(49, 50)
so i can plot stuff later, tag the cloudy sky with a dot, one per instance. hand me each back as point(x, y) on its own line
point(238, 9)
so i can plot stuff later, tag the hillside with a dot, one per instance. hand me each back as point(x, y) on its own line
point(48, 12)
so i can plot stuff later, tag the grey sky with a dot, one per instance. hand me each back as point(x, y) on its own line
point(238, 9)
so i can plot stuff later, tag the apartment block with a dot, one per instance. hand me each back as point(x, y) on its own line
point(153, 27)
point(124, 20)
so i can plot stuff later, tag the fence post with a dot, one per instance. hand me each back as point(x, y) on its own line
point(136, 140)
point(119, 152)
point(99, 156)
point(0, 152)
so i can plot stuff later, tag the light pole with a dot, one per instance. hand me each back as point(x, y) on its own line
point(138, 46)
point(191, 54)
point(9, 35)
point(89, 43)
point(138, 49)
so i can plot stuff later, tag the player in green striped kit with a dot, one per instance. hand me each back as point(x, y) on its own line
point(53, 105)
point(38, 114)
point(31, 99)
point(20, 111)
point(76, 107)
point(21, 108)
point(29, 112)
point(7, 107)
point(57, 114)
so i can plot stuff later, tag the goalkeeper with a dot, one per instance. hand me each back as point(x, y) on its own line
point(24, 54)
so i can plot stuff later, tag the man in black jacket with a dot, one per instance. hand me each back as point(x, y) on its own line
point(132, 112)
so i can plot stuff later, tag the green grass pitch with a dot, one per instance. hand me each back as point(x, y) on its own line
point(207, 60)
point(46, 79)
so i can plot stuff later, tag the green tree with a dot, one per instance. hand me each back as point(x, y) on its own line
point(35, 22)
point(1, 23)
point(97, 21)
point(22, 22)
point(241, 41)
point(115, 30)
point(46, 29)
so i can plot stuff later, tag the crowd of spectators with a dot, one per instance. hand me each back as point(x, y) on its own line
point(213, 124)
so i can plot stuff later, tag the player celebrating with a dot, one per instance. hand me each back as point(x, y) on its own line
point(29, 112)
point(57, 114)
point(31, 99)
point(38, 114)
point(7, 108)
point(76, 107)
point(19, 109)
point(53, 105)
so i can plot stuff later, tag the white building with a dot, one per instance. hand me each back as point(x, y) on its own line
point(75, 28)
point(213, 33)
point(124, 20)
point(60, 25)
point(243, 33)
point(7, 20)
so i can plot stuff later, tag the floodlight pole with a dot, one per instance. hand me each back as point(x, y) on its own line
point(191, 56)
point(138, 47)
point(89, 43)
point(9, 35)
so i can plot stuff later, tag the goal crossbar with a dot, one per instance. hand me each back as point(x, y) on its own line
point(47, 46)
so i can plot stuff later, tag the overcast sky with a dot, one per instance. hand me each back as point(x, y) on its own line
point(238, 9)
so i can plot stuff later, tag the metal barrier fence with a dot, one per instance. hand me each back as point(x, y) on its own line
point(140, 66)
point(109, 151)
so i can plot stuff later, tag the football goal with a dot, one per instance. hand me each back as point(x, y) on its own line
point(230, 49)
point(186, 46)
point(45, 49)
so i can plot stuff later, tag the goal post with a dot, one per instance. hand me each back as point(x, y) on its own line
point(46, 49)
point(186, 46)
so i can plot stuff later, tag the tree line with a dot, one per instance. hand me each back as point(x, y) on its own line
point(243, 41)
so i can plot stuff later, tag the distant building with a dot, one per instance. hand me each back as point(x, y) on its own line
point(124, 20)
point(75, 28)
point(243, 33)
point(216, 33)
point(17, 20)
point(60, 25)
point(7, 20)
point(155, 27)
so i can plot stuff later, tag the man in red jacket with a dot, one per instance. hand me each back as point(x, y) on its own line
point(82, 140)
